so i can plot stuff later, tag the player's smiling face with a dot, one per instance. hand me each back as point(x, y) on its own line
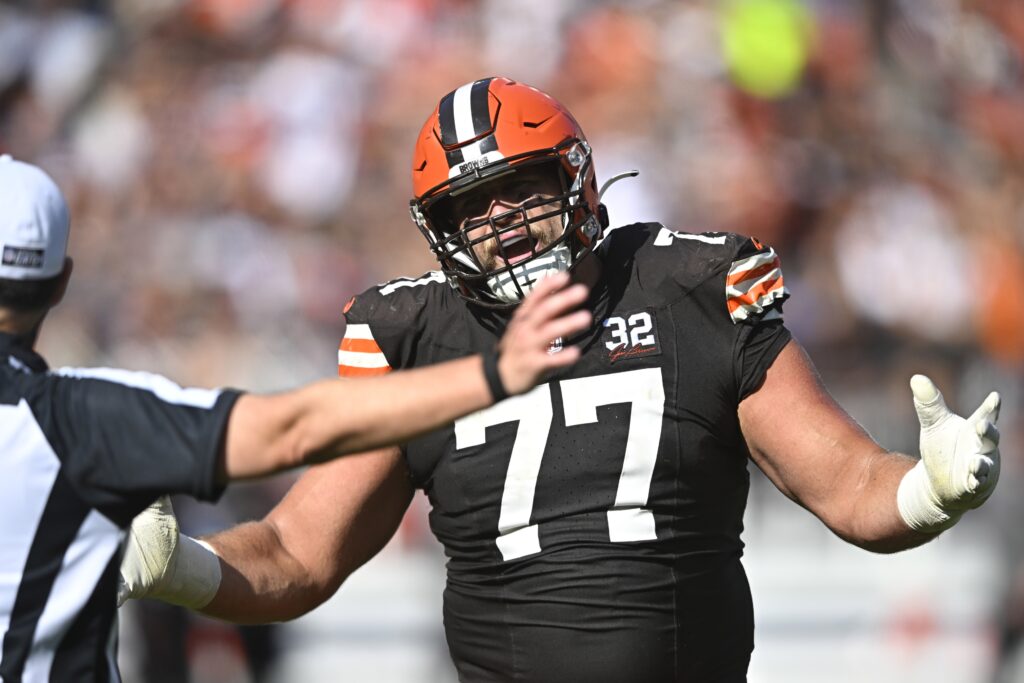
point(526, 224)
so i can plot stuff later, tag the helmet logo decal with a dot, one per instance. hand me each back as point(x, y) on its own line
point(465, 115)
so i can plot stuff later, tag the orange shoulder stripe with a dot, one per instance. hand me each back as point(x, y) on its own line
point(755, 294)
point(352, 371)
point(752, 273)
point(359, 345)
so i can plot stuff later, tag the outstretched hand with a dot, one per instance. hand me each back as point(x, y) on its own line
point(152, 546)
point(959, 464)
point(961, 455)
point(546, 316)
point(162, 563)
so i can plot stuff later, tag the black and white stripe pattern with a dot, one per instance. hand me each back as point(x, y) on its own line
point(465, 117)
point(59, 569)
point(82, 452)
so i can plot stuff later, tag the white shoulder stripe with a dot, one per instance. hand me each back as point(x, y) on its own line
point(752, 262)
point(358, 331)
point(160, 386)
point(432, 276)
point(665, 237)
point(743, 286)
point(361, 359)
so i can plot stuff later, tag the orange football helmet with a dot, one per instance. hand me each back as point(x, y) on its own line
point(486, 132)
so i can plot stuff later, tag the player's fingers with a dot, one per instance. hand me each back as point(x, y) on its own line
point(558, 303)
point(981, 470)
point(567, 325)
point(567, 356)
point(551, 283)
point(540, 292)
point(981, 466)
point(122, 591)
point(988, 410)
point(989, 435)
point(928, 401)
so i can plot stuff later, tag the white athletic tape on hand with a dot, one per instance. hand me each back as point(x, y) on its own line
point(161, 563)
point(959, 464)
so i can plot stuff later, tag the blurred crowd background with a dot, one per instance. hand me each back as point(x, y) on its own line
point(237, 169)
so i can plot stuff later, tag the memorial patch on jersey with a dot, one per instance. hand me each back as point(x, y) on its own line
point(754, 284)
point(359, 355)
point(632, 335)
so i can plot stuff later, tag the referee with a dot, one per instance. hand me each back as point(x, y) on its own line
point(82, 451)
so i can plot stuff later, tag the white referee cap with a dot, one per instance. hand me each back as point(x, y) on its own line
point(33, 222)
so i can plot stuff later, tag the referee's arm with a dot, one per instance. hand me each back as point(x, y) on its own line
point(333, 417)
point(126, 437)
point(326, 419)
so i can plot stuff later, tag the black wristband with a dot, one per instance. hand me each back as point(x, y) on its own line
point(498, 392)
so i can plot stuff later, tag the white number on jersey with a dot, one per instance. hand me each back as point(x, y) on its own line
point(628, 520)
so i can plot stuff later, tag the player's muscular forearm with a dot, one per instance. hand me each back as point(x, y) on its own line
point(333, 520)
point(862, 509)
point(261, 581)
point(821, 458)
point(816, 454)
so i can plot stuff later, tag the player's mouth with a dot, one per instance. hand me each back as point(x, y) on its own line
point(516, 247)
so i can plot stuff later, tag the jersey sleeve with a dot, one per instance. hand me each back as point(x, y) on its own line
point(755, 290)
point(126, 437)
point(754, 286)
point(383, 325)
point(739, 288)
point(359, 354)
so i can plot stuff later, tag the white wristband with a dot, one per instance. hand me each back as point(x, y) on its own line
point(919, 506)
point(193, 577)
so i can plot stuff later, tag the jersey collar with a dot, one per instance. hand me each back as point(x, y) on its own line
point(17, 349)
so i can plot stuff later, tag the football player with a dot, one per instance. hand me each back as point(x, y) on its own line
point(592, 525)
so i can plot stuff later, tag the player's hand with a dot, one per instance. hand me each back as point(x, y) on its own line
point(546, 316)
point(959, 464)
point(152, 545)
point(161, 563)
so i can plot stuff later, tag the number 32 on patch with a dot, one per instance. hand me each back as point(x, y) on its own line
point(631, 336)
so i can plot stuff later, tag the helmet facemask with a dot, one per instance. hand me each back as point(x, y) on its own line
point(494, 257)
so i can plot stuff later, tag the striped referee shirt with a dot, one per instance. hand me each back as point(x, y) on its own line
point(82, 451)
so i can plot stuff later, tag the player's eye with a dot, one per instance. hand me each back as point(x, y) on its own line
point(522, 191)
point(475, 207)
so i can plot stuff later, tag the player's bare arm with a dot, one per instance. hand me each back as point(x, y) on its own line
point(816, 454)
point(333, 520)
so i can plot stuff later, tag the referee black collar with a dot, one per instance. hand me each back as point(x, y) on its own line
point(18, 348)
